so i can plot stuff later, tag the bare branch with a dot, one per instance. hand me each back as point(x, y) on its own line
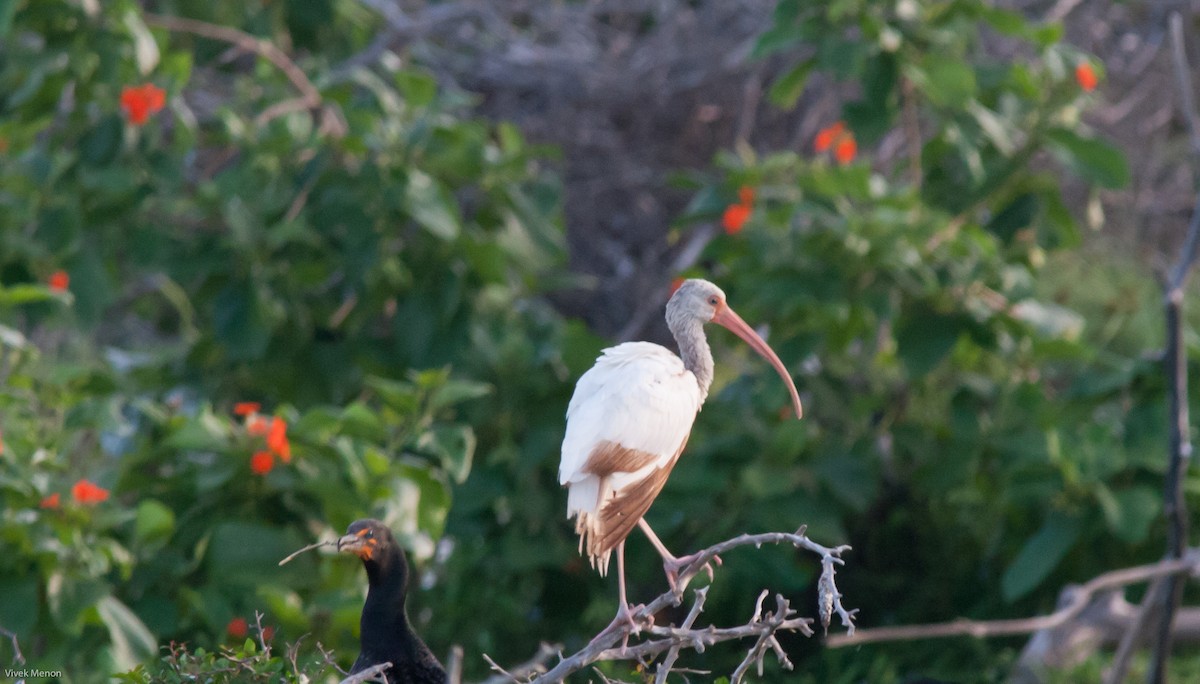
point(535, 665)
point(670, 640)
point(310, 97)
point(375, 673)
point(18, 657)
point(990, 628)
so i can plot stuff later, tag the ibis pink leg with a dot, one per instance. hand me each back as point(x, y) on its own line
point(624, 618)
point(671, 564)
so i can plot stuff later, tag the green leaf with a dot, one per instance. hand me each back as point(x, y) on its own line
point(69, 597)
point(154, 521)
point(19, 609)
point(457, 391)
point(924, 337)
point(1017, 214)
point(15, 295)
point(453, 445)
point(431, 205)
point(101, 144)
point(418, 88)
point(1092, 159)
point(1130, 512)
point(789, 87)
point(776, 40)
point(948, 83)
point(131, 641)
point(1040, 555)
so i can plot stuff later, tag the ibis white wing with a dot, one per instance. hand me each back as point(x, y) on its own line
point(639, 396)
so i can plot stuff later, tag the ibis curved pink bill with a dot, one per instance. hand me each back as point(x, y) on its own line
point(629, 420)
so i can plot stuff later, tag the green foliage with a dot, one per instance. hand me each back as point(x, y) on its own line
point(329, 264)
point(980, 426)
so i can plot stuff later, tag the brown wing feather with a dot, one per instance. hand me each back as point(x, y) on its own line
point(618, 515)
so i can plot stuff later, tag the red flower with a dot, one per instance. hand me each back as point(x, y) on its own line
point(675, 283)
point(50, 501)
point(845, 150)
point(245, 408)
point(277, 440)
point(262, 462)
point(1085, 76)
point(59, 280)
point(88, 493)
point(237, 628)
point(746, 195)
point(267, 633)
point(826, 136)
point(735, 217)
point(139, 102)
point(257, 425)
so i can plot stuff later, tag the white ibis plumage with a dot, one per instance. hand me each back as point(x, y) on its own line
point(629, 419)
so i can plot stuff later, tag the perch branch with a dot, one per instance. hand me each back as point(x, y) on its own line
point(991, 628)
point(671, 640)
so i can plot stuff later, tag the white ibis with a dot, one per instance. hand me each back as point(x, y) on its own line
point(629, 420)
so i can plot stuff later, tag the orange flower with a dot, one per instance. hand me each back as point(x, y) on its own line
point(50, 501)
point(139, 102)
point(59, 281)
point(262, 462)
point(277, 440)
point(675, 283)
point(1, 442)
point(86, 492)
point(826, 136)
point(245, 408)
point(257, 425)
point(3, 144)
point(237, 628)
point(845, 150)
point(746, 195)
point(1085, 76)
point(735, 217)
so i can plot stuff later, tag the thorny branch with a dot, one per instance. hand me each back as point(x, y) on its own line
point(763, 626)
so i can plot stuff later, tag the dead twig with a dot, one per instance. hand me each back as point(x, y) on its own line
point(375, 673)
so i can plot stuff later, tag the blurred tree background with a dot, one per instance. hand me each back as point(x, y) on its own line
point(268, 267)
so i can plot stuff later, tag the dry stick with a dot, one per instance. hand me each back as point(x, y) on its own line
point(310, 547)
point(535, 665)
point(605, 645)
point(991, 628)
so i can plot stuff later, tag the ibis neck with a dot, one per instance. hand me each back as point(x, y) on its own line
point(694, 350)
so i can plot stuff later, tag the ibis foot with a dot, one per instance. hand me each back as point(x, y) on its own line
point(673, 566)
